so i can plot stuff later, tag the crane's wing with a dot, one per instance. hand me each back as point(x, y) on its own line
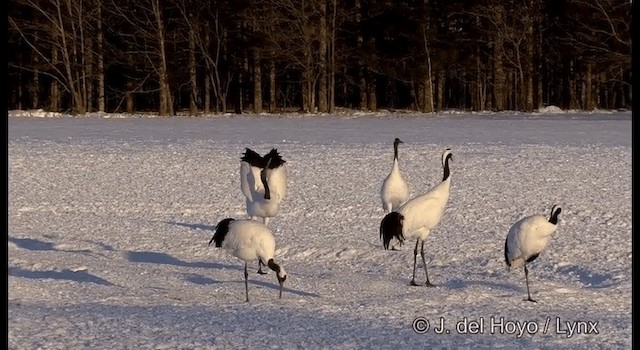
point(250, 183)
point(253, 158)
point(274, 159)
point(277, 179)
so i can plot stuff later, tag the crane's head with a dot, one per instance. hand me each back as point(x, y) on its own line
point(281, 274)
point(446, 155)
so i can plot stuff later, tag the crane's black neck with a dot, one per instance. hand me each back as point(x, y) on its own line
point(265, 183)
point(396, 142)
point(447, 173)
point(273, 266)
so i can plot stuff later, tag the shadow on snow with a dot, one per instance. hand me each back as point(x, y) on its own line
point(166, 259)
point(32, 244)
point(66, 274)
point(588, 278)
point(193, 226)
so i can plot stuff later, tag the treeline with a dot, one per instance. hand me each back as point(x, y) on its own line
point(214, 56)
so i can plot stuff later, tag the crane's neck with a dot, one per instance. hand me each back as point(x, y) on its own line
point(395, 167)
point(554, 215)
point(447, 172)
point(263, 178)
point(395, 151)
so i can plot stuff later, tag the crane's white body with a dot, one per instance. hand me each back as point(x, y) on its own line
point(423, 213)
point(528, 237)
point(394, 191)
point(248, 240)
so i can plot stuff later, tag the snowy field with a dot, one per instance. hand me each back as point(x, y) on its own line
point(109, 220)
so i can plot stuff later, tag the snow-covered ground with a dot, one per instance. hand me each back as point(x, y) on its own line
point(109, 220)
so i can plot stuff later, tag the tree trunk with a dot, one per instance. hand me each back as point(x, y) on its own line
point(372, 101)
point(239, 95)
point(362, 88)
point(55, 87)
point(440, 91)
point(166, 101)
point(589, 103)
point(88, 53)
point(322, 89)
point(427, 100)
point(362, 83)
point(34, 88)
point(307, 80)
point(257, 81)
point(427, 81)
point(420, 100)
point(537, 53)
point(272, 86)
point(129, 94)
point(499, 75)
point(479, 103)
point(332, 60)
point(207, 91)
point(207, 69)
point(19, 83)
point(100, 57)
point(573, 99)
point(68, 61)
point(193, 79)
point(529, 66)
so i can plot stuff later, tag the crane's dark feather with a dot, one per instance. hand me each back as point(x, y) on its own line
point(222, 228)
point(506, 253)
point(533, 257)
point(275, 159)
point(253, 158)
point(391, 227)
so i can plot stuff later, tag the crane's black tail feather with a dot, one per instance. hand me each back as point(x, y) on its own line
point(391, 227)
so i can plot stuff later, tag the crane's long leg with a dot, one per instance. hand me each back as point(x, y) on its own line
point(260, 264)
point(428, 284)
point(246, 281)
point(526, 276)
point(415, 257)
point(265, 221)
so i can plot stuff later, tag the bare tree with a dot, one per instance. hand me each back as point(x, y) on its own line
point(143, 29)
point(604, 40)
point(426, 101)
point(61, 27)
point(193, 78)
point(292, 30)
point(323, 37)
point(212, 44)
point(318, 54)
point(100, 57)
point(331, 54)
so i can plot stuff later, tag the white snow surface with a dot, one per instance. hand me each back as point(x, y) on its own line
point(109, 220)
